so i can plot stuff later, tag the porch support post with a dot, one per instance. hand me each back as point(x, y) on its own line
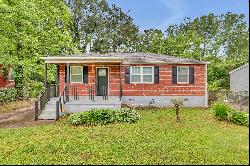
point(120, 81)
point(67, 96)
point(58, 81)
point(45, 75)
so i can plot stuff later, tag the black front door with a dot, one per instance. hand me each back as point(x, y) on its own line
point(102, 81)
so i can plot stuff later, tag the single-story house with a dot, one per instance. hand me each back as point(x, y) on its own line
point(239, 79)
point(136, 78)
point(8, 80)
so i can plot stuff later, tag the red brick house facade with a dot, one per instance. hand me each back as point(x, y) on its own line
point(6, 82)
point(137, 78)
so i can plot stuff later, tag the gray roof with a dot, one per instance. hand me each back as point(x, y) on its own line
point(142, 57)
point(239, 68)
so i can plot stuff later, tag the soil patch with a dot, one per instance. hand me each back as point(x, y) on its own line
point(23, 117)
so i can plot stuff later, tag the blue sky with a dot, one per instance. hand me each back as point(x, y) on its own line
point(161, 13)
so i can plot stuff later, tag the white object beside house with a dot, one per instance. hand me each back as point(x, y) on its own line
point(239, 79)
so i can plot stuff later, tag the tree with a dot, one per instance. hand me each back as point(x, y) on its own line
point(102, 27)
point(30, 30)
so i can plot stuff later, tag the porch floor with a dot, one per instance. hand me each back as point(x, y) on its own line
point(83, 104)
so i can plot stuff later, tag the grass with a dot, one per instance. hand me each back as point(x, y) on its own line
point(156, 139)
point(10, 106)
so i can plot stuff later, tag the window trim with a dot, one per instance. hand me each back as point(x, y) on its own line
point(178, 82)
point(76, 74)
point(141, 75)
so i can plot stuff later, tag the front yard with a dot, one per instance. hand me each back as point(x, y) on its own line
point(156, 139)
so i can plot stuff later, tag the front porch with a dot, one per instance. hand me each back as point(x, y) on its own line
point(81, 85)
point(83, 103)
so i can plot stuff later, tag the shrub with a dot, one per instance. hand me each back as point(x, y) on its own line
point(104, 116)
point(8, 94)
point(127, 115)
point(221, 111)
point(239, 118)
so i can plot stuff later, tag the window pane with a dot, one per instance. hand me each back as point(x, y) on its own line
point(76, 70)
point(135, 78)
point(101, 72)
point(135, 70)
point(182, 71)
point(147, 78)
point(182, 78)
point(76, 78)
point(147, 70)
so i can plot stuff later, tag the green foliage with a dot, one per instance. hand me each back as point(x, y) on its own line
point(29, 31)
point(239, 118)
point(225, 112)
point(101, 27)
point(104, 116)
point(221, 110)
point(8, 94)
point(222, 40)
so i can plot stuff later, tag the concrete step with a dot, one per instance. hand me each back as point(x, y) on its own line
point(82, 108)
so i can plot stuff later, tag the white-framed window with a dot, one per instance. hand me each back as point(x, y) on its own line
point(182, 74)
point(76, 74)
point(142, 74)
point(11, 75)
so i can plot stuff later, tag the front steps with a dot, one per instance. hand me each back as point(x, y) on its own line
point(81, 105)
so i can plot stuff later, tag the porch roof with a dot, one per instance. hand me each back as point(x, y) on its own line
point(125, 58)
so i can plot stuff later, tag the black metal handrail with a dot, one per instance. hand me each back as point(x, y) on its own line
point(64, 95)
point(42, 100)
point(104, 92)
point(91, 90)
point(75, 93)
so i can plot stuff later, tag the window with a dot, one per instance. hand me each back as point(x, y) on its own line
point(11, 75)
point(142, 74)
point(76, 75)
point(182, 74)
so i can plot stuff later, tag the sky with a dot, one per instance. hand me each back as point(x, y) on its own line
point(158, 14)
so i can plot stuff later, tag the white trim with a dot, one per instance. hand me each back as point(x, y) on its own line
point(238, 68)
point(97, 76)
point(76, 74)
point(77, 59)
point(141, 75)
point(187, 75)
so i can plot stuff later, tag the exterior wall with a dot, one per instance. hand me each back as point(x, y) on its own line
point(5, 83)
point(142, 94)
point(239, 80)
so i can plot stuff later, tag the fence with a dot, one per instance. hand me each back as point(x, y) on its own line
point(239, 99)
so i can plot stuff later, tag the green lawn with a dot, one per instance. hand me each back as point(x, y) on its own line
point(156, 139)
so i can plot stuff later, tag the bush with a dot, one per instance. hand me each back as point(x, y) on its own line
point(221, 111)
point(239, 118)
point(8, 94)
point(104, 116)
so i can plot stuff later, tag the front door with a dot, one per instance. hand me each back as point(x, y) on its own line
point(102, 81)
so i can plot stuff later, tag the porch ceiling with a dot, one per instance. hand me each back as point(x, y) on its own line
point(56, 59)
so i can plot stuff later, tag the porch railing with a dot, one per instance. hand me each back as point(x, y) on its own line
point(75, 93)
point(104, 92)
point(91, 90)
point(64, 95)
point(41, 101)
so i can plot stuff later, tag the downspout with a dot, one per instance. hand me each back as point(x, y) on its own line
point(206, 93)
